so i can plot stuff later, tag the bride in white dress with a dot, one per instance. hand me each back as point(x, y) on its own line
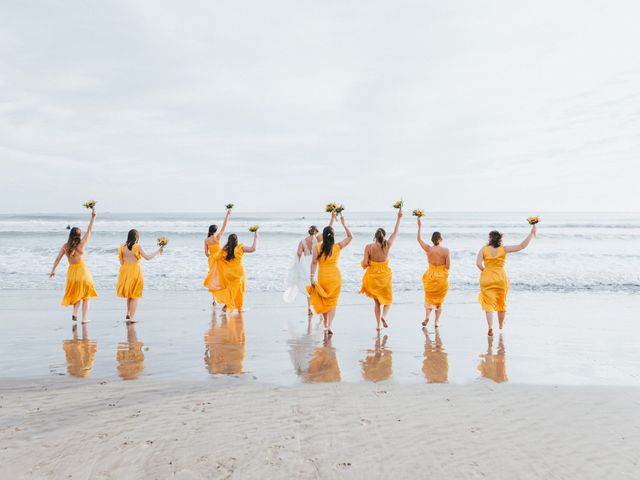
point(298, 276)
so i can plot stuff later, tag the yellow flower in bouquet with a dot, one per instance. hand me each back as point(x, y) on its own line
point(533, 220)
point(399, 204)
point(331, 207)
point(162, 241)
point(229, 206)
point(418, 212)
point(89, 204)
point(339, 209)
point(254, 228)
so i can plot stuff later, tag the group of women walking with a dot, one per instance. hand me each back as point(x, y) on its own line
point(315, 272)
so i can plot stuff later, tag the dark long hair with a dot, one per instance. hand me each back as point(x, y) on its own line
point(75, 236)
point(495, 238)
point(230, 247)
point(436, 238)
point(212, 230)
point(328, 240)
point(381, 238)
point(132, 238)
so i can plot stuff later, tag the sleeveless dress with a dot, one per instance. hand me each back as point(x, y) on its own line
point(494, 283)
point(298, 276)
point(213, 269)
point(377, 282)
point(324, 293)
point(436, 284)
point(130, 280)
point(232, 281)
point(79, 285)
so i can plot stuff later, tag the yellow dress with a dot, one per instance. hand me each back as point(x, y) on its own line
point(79, 284)
point(130, 281)
point(213, 273)
point(494, 283)
point(130, 359)
point(436, 284)
point(232, 279)
point(377, 282)
point(324, 294)
point(323, 366)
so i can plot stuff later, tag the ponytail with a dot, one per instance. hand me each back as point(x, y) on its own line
point(230, 247)
point(381, 238)
point(132, 238)
point(328, 240)
point(75, 237)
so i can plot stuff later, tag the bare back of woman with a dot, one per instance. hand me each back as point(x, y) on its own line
point(438, 255)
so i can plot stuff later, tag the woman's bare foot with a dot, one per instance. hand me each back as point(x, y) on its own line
point(384, 323)
point(74, 318)
point(490, 332)
point(85, 321)
point(329, 332)
point(128, 317)
point(426, 321)
point(133, 320)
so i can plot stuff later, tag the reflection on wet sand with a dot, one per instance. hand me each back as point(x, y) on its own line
point(225, 345)
point(80, 353)
point(377, 366)
point(494, 365)
point(301, 348)
point(129, 355)
point(323, 366)
point(435, 365)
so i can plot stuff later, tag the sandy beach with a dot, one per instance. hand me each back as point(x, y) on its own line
point(128, 430)
point(261, 396)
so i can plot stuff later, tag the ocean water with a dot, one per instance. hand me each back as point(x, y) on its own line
point(573, 251)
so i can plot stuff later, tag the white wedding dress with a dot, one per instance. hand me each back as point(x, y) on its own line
point(298, 275)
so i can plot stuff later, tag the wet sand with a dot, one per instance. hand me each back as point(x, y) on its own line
point(264, 395)
point(550, 339)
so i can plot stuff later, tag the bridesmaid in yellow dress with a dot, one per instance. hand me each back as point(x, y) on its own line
point(211, 246)
point(377, 280)
point(230, 284)
point(436, 279)
point(79, 287)
point(130, 280)
point(324, 294)
point(494, 283)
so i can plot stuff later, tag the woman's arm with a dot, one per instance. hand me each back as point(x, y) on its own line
point(480, 260)
point(345, 241)
point(447, 262)
point(151, 256)
point(396, 229)
point(224, 225)
point(253, 246)
point(300, 249)
point(206, 248)
point(333, 219)
point(61, 253)
point(522, 245)
point(367, 257)
point(87, 234)
point(425, 246)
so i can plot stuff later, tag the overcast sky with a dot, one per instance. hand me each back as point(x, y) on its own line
point(285, 105)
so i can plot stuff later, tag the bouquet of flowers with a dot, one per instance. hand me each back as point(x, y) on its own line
point(162, 241)
point(533, 221)
point(331, 207)
point(254, 228)
point(89, 204)
point(418, 212)
point(339, 209)
point(229, 206)
point(399, 204)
